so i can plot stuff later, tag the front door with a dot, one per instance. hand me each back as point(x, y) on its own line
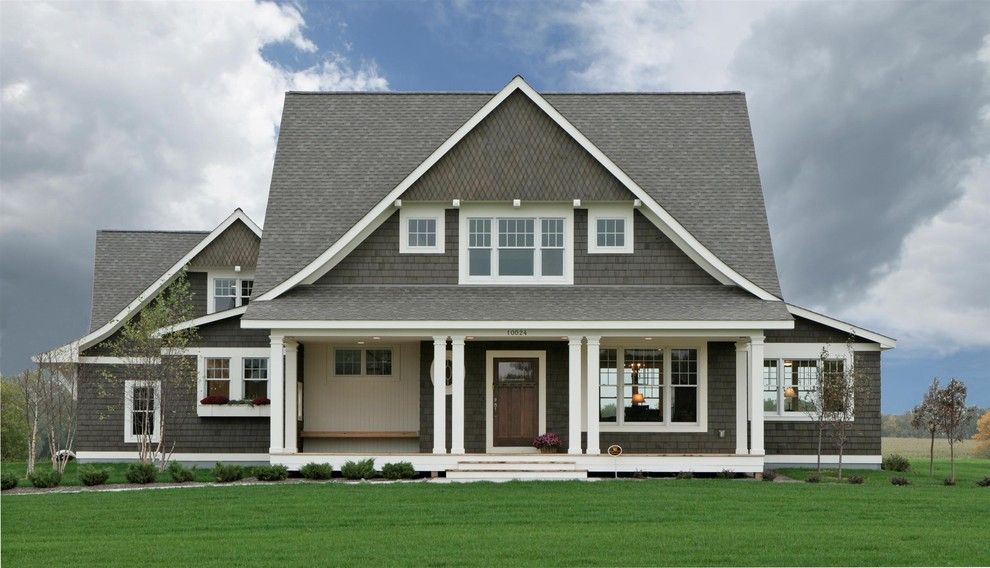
point(515, 406)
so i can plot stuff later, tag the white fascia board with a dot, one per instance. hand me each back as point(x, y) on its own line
point(202, 320)
point(142, 300)
point(687, 242)
point(502, 325)
point(884, 341)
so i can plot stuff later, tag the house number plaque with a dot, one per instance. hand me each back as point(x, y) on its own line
point(516, 332)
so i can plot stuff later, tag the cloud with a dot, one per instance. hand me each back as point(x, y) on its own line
point(133, 115)
point(869, 122)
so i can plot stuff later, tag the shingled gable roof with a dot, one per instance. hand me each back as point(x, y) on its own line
point(341, 158)
point(131, 267)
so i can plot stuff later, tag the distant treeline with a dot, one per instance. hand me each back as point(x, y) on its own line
point(899, 426)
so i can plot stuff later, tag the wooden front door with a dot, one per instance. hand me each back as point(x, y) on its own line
point(515, 407)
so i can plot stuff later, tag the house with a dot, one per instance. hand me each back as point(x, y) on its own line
point(444, 276)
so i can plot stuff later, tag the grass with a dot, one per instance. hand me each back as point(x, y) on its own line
point(625, 522)
point(968, 471)
point(71, 475)
point(919, 447)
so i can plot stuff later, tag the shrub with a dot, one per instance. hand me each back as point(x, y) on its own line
point(271, 472)
point(364, 469)
point(985, 482)
point(813, 478)
point(91, 475)
point(8, 481)
point(949, 481)
point(45, 478)
point(895, 462)
point(261, 401)
point(769, 474)
point(180, 473)
point(726, 474)
point(214, 399)
point(856, 479)
point(141, 473)
point(316, 471)
point(401, 470)
point(226, 473)
point(547, 440)
point(684, 475)
point(899, 481)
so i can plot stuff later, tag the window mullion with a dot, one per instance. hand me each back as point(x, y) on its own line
point(780, 387)
point(538, 247)
point(620, 367)
point(667, 389)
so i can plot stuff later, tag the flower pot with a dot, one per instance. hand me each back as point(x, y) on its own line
point(548, 450)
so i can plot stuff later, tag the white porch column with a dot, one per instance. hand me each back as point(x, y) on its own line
point(439, 395)
point(742, 396)
point(457, 400)
point(756, 395)
point(291, 400)
point(276, 436)
point(592, 355)
point(574, 395)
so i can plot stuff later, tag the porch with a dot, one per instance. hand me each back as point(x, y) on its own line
point(673, 400)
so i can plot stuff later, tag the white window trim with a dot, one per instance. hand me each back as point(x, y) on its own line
point(490, 357)
point(129, 437)
point(364, 360)
point(435, 212)
point(805, 351)
point(604, 211)
point(236, 356)
point(667, 425)
point(507, 211)
point(212, 275)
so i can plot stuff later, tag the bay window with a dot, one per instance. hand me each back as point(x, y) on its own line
point(652, 388)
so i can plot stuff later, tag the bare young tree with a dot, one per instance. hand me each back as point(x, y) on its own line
point(28, 382)
point(160, 374)
point(56, 391)
point(814, 405)
point(843, 383)
point(925, 417)
point(952, 416)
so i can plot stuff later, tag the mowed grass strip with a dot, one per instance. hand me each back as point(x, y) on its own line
point(625, 522)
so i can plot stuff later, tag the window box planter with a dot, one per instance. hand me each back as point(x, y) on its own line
point(260, 407)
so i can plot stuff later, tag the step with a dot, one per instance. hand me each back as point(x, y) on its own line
point(516, 466)
point(514, 475)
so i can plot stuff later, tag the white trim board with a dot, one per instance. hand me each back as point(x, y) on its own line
point(503, 325)
point(657, 214)
point(85, 456)
point(203, 320)
point(884, 341)
point(149, 293)
point(812, 459)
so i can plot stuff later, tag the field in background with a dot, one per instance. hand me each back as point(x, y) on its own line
point(918, 447)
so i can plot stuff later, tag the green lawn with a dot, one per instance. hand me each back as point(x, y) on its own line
point(626, 522)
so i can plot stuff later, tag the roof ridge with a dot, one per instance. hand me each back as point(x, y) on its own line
point(553, 93)
point(186, 232)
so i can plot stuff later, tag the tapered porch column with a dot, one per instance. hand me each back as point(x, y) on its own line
point(756, 396)
point(574, 395)
point(742, 396)
point(457, 400)
point(592, 355)
point(276, 437)
point(291, 380)
point(440, 395)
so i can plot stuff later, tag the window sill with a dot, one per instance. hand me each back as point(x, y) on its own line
point(653, 428)
point(232, 410)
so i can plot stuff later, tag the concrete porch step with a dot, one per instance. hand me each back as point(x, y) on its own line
point(557, 465)
point(515, 475)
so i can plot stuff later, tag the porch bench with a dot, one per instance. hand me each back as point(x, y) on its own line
point(393, 434)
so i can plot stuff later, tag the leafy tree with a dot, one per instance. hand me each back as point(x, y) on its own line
point(952, 416)
point(154, 352)
point(982, 435)
point(926, 416)
point(13, 422)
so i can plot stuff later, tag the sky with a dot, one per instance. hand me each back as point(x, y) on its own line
point(871, 122)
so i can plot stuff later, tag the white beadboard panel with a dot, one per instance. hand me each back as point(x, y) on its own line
point(362, 445)
point(359, 405)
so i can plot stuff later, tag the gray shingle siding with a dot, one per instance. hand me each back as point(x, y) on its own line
point(237, 246)
point(101, 420)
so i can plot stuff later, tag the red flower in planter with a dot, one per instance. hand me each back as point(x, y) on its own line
point(261, 401)
point(215, 399)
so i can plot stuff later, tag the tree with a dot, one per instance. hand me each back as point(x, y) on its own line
point(982, 435)
point(55, 386)
point(152, 346)
point(925, 417)
point(952, 416)
point(29, 382)
point(13, 422)
point(843, 384)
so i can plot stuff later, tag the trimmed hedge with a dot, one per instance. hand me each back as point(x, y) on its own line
point(141, 473)
point(226, 473)
point(317, 471)
point(179, 473)
point(7, 481)
point(271, 472)
point(91, 475)
point(364, 469)
point(400, 470)
point(45, 478)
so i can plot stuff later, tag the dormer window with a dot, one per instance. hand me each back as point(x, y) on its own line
point(230, 292)
point(421, 229)
point(610, 229)
point(515, 246)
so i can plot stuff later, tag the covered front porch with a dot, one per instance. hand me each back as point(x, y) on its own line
point(663, 399)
